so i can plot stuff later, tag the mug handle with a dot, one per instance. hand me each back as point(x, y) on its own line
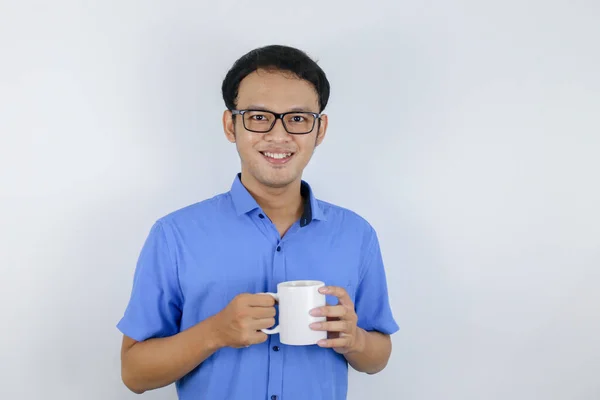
point(276, 329)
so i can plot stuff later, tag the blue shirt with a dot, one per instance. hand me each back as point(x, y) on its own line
point(197, 259)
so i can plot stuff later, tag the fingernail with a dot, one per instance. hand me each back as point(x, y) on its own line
point(315, 313)
point(323, 289)
point(321, 342)
point(315, 325)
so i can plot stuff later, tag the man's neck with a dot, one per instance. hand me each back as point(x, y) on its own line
point(282, 205)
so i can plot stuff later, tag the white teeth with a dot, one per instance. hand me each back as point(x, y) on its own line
point(277, 156)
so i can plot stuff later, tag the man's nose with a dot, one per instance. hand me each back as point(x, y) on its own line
point(278, 131)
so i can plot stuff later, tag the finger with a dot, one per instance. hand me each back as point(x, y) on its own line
point(343, 341)
point(263, 323)
point(333, 326)
point(329, 311)
point(258, 337)
point(262, 312)
point(260, 300)
point(338, 292)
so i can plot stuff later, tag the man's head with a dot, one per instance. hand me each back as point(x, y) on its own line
point(261, 85)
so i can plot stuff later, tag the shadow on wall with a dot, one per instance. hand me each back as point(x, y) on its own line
point(383, 91)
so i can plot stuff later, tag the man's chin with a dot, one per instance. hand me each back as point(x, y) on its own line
point(272, 178)
point(277, 182)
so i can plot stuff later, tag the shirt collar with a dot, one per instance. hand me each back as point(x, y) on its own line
point(244, 202)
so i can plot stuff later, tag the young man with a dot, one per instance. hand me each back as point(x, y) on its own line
point(196, 313)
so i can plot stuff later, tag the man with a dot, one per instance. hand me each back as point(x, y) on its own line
point(196, 313)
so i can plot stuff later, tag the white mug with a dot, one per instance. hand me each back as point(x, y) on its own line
point(296, 299)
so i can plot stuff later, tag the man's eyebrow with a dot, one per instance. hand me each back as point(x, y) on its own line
point(256, 107)
point(300, 109)
point(263, 108)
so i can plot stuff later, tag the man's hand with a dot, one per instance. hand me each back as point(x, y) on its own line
point(239, 324)
point(344, 336)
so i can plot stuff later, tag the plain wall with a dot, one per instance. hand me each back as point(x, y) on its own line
point(466, 132)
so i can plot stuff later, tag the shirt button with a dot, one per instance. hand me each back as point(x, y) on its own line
point(275, 348)
point(278, 248)
point(261, 216)
point(273, 397)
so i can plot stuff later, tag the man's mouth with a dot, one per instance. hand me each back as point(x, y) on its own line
point(277, 158)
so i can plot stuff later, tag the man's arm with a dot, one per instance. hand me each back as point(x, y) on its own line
point(373, 355)
point(158, 362)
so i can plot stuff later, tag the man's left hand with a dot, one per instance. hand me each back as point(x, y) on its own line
point(344, 336)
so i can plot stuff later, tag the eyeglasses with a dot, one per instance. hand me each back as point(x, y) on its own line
point(261, 121)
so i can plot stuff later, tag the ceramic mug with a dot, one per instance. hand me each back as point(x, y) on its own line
point(296, 299)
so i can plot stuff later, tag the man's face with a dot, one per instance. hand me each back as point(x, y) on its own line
point(276, 158)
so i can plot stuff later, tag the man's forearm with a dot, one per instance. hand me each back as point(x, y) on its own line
point(373, 354)
point(158, 362)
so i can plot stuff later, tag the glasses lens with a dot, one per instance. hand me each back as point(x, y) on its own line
point(299, 122)
point(263, 121)
point(258, 121)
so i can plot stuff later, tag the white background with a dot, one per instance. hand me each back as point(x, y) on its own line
point(466, 132)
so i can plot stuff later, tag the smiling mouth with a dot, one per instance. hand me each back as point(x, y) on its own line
point(277, 158)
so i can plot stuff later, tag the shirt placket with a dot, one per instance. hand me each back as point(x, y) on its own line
point(275, 385)
point(275, 378)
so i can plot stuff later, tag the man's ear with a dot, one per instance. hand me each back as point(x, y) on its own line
point(323, 122)
point(229, 126)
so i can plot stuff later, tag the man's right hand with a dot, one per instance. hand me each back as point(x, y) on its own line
point(240, 323)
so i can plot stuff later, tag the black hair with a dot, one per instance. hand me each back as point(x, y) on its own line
point(277, 57)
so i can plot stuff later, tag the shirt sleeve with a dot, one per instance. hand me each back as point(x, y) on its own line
point(154, 308)
point(372, 303)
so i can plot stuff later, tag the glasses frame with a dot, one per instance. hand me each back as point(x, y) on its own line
point(279, 116)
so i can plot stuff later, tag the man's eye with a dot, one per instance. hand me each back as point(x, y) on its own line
point(296, 119)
